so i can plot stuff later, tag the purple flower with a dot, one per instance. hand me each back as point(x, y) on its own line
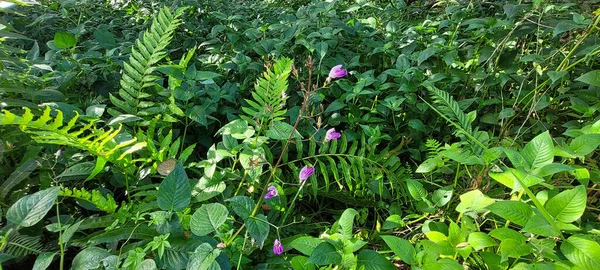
point(272, 192)
point(283, 95)
point(332, 135)
point(277, 247)
point(305, 173)
point(337, 72)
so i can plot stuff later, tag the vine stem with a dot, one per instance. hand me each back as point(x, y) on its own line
point(307, 91)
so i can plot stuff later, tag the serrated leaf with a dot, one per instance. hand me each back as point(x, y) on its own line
point(174, 193)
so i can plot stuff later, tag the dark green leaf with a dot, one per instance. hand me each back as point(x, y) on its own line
point(174, 193)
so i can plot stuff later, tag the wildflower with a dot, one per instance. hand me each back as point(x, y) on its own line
point(272, 192)
point(337, 72)
point(284, 95)
point(332, 135)
point(277, 247)
point(305, 173)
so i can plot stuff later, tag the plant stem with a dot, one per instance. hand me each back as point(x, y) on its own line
point(60, 242)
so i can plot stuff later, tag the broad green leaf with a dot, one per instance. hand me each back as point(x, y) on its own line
point(69, 231)
point(371, 260)
point(208, 218)
point(30, 209)
point(325, 254)
point(147, 264)
point(511, 248)
point(204, 258)
point(582, 251)
point(174, 193)
point(474, 201)
point(539, 151)
point(568, 205)
point(89, 258)
point(242, 205)
point(506, 233)
point(347, 221)
point(17, 176)
point(479, 241)
point(556, 75)
point(416, 190)
point(443, 264)
point(584, 144)
point(425, 54)
point(305, 244)
point(514, 211)
point(591, 78)
point(64, 40)
point(43, 260)
point(258, 228)
point(401, 247)
point(301, 263)
point(552, 169)
point(537, 224)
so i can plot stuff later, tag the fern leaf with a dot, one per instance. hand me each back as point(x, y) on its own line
point(137, 73)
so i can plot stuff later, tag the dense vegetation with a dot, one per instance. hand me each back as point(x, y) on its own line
point(300, 134)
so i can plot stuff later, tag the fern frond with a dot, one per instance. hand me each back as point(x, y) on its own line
point(433, 147)
point(449, 109)
point(22, 245)
point(99, 142)
point(104, 203)
point(138, 72)
point(353, 166)
point(268, 96)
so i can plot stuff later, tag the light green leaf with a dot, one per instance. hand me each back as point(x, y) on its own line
point(537, 224)
point(540, 151)
point(258, 228)
point(473, 200)
point(301, 263)
point(479, 241)
point(584, 144)
point(514, 211)
point(174, 193)
point(372, 260)
point(64, 40)
point(325, 254)
point(443, 264)
point(347, 221)
point(568, 205)
point(305, 244)
point(582, 251)
point(401, 247)
point(30, 209)
point(208, 218)
point(592, 78)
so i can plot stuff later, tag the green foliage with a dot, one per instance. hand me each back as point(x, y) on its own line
point(468, 135)
point(134, 94)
